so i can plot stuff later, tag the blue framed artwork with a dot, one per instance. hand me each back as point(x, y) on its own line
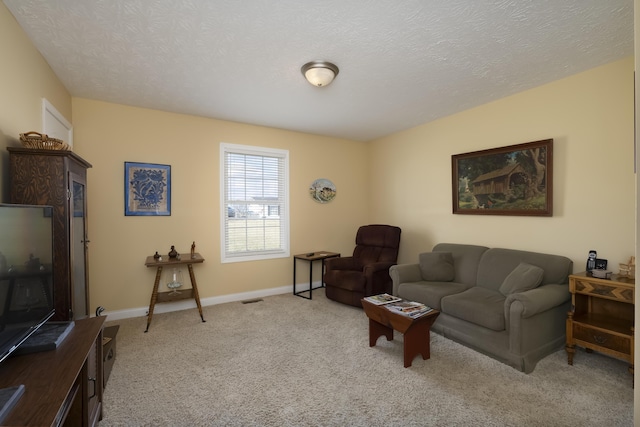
point(147, 189)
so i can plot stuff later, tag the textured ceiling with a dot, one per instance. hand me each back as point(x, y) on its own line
point(402, 63)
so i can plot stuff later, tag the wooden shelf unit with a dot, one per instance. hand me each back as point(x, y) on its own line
point(58, 178)
point(602, 317)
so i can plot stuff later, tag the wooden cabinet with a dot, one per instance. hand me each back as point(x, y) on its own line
point(109, 351)
point(62, 386)
point(58, 178)
point(602, 316)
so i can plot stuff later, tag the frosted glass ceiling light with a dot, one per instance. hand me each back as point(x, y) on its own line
point(319, 73)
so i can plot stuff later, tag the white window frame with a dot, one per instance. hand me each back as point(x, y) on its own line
point(282, 252)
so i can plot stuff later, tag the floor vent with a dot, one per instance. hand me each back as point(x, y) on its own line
point(251, 301)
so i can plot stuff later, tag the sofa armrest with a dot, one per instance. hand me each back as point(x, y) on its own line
point(341, 263)
point(403, 273)
point(536, 318)
point(538, 300)
point(370, 269)
point(377, 275)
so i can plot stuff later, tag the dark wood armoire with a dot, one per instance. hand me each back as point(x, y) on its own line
point(58, 178)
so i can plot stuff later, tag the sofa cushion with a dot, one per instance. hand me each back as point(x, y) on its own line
point(522, 278)
point(497, 263)
point(430, 293)
point(465, 260)
point(477, 305)
point(437, 266)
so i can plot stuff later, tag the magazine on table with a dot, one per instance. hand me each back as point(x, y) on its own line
point(409, 308)
point(382, 299)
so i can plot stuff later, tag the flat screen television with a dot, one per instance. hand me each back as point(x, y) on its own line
point(26, 274)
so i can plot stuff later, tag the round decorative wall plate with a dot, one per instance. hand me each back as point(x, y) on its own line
point(322, 190)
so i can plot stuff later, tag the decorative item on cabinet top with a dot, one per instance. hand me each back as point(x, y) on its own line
point(41, 141)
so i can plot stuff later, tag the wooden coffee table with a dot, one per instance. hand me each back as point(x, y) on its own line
point(417, 332)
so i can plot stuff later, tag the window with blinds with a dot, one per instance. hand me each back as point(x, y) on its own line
point(255, 203)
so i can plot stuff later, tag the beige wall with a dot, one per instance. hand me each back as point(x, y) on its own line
point(590, 118)
point(25, 78)
point(107, 135)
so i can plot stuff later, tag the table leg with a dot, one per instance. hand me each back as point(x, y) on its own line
point(571, 350)
point(299, 293)
point(294, 275)
point(376, 330)
point(196, 295)
point(417, 341)
point(311, 280)
point(154, 296)
point(570, 346)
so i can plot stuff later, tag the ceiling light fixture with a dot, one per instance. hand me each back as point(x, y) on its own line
point(319, 73)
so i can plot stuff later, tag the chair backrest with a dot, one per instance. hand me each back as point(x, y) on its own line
point(377, 243)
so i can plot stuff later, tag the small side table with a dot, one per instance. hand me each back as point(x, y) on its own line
point(602, 317)
point(310, 258)
point(417, 332)
point(158, 297)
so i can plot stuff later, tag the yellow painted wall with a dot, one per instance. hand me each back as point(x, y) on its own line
point(25, 78)
point(107, 135)
point(590, 118)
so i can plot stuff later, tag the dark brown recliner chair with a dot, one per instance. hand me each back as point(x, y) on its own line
point(349, 279)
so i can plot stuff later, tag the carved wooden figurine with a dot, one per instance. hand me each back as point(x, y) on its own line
point(173, 254)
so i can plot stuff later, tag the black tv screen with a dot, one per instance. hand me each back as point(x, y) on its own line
point(26, 274)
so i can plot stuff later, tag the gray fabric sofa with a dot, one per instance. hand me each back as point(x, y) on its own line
point(508, 304)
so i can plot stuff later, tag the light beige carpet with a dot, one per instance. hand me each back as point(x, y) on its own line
point(288, 361)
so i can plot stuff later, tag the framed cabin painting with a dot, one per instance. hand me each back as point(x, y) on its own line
point(511, 180)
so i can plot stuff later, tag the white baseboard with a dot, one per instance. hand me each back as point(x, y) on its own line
point(185, 304)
